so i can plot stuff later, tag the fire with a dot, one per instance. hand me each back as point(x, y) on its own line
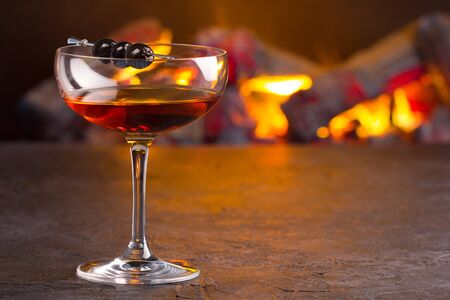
point(381, 116)
point(284, 85)
point(369, 118)
point(284, 88)
point(184, 76)
point(263, 97)
point(403, 117)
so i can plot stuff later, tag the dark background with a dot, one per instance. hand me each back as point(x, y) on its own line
point(326, 30)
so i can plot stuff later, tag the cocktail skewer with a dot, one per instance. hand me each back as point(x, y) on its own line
point(84, 43)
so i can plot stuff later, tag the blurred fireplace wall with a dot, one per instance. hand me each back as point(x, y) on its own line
point(327, 31)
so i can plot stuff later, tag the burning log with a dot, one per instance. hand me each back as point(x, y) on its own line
point(396, 85)
point(231, 121)
point(401, 58)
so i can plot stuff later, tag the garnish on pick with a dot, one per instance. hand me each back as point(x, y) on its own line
point(137, 55)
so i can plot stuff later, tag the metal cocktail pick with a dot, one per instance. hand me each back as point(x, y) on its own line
point(84, 42)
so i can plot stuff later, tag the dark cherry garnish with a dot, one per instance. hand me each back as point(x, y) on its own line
point(140, 55)
point(102, 48)
point(136, 55)
point(119, 51)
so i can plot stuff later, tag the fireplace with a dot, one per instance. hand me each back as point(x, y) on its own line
point(396, 90)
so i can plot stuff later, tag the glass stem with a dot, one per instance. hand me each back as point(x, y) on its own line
point(138, 248)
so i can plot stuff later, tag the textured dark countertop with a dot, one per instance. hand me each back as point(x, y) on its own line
point(261, 222)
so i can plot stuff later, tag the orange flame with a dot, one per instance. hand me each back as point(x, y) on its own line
point(184, 76)
point(263, 97)
point(402, 116)
point(378, 117)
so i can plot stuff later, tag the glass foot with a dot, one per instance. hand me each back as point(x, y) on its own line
point(122, 271)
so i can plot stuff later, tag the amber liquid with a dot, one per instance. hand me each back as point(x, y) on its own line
point(142, 109)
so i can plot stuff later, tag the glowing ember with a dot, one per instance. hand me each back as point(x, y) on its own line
point(323, 132)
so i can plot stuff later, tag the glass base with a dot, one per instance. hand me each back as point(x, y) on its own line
point(123, 271)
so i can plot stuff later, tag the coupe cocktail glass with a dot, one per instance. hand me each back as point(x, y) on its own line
point(140, 103)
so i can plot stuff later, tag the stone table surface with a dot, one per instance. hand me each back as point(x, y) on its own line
point(262, 222)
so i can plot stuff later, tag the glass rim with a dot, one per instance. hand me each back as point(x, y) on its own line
point(220, 53)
